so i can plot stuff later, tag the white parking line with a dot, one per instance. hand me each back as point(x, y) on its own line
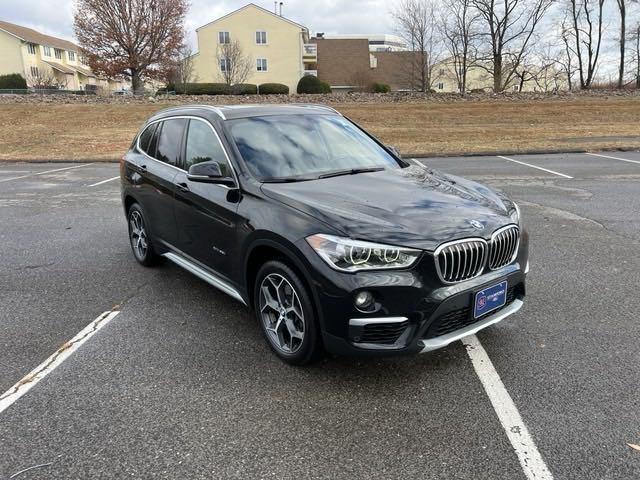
point(9, 397)
point(105, 181)
point(534, 166)
point(42, 173)
point(530, 459)
point(612, 158)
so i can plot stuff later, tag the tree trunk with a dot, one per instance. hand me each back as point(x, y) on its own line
point(497, 73)
point(136, 82)
point(623, 34)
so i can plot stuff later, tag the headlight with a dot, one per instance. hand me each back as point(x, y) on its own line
point(515, 215)
point(353, 255)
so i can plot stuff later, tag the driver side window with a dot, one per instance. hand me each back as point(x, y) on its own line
point(203, 146)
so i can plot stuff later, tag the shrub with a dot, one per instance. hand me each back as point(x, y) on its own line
point(381, 88)
point(13, 81)
point(203, 89)
point(312, 84)
point(244, 89)
point(325, 87)
point(273, 88)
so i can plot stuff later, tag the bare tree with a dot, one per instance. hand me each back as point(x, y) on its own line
point(458, 25)
point(586, 36)
point(622, 8)
point(509, 28)
point(417, 24)
point(235, 67)
point(634, 38)
point(131, 37)
point(180, 72)
point(45, 80)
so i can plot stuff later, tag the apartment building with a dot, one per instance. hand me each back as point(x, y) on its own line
point(277, 47)
point(49, 61)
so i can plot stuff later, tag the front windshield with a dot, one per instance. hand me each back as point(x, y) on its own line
point(305, 146)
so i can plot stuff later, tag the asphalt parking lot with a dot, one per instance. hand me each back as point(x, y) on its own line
point(180, 384)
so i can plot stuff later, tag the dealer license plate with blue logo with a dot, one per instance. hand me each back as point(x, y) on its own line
point(489, 299)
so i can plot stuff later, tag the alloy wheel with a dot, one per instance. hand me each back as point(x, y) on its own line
point(138, 235)
point(281, 313)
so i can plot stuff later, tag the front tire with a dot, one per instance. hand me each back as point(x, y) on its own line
point(139, 237)
point(285, 313)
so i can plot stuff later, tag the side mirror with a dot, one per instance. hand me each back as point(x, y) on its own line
point(394, 150)
point(209, 172)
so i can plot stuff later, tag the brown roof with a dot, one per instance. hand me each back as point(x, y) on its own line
point(84, 71)
point(60, 67)
point(31, 36)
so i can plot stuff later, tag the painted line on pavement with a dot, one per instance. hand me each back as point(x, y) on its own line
point(612, 158)
point(534, 166)
point(45, 172)
point(9, 397)
point(530, 459)
point(105, 181)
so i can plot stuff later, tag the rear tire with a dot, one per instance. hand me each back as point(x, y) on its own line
point(286, 315)
point(139, 237)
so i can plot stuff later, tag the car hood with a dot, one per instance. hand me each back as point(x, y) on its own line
point(412, 206)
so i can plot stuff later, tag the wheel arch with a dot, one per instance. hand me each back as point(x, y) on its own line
point(264, 249)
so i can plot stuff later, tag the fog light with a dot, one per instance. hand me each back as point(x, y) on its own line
point(364, 300)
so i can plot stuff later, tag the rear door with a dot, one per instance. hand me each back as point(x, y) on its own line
point(157, 167)
point(206, 212)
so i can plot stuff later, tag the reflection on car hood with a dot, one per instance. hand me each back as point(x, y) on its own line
point(412, 206)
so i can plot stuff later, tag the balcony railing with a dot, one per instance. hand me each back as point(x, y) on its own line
point(311, 72)
point(310, 51)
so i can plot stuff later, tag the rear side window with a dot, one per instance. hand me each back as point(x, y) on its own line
point(203, 146)
point(145, 137)
point(170, 141)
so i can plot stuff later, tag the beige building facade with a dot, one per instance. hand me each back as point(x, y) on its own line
point(277, 47)
point(46, 61)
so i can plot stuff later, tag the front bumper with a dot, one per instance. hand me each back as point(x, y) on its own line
point(417, 312)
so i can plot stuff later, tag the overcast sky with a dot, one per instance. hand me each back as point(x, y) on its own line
point(55, 17)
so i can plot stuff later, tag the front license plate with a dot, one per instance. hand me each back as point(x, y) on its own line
point(490, 299)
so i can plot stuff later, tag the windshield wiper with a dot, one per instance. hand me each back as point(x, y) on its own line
point(286, 179)
point(351, 171)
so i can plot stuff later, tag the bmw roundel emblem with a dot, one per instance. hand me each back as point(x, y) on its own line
point(476, 224)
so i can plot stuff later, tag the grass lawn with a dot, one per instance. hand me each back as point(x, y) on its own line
point(104, 131)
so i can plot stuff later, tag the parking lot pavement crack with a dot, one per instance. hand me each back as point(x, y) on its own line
point(44, 367)
point(131, 296)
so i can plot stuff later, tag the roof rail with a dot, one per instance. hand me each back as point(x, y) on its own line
point(319, 105)
point(182, 107)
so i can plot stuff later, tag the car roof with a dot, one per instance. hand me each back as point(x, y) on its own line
point(230, 112)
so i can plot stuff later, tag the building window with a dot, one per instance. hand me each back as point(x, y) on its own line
point(34, 72)
point(262, 65)
point(58, 54)
point(224, 38)
point(440, 86)
point(261, 38)
point(47, 51)
point(516, 88)
point(225, 64)
point(442, 71)
point(31, 48)
point(72, 56)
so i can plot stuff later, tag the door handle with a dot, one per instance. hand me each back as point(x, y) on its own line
point(143, 168)
point(183, 187)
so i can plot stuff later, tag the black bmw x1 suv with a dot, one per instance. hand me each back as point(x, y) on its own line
point(333, 240)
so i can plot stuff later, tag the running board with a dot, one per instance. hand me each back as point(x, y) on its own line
point(208, 277)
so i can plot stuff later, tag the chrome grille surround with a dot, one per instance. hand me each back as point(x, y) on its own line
point(503, 247)
point(461, 259)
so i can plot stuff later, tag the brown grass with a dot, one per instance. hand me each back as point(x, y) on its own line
point(104, 132)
